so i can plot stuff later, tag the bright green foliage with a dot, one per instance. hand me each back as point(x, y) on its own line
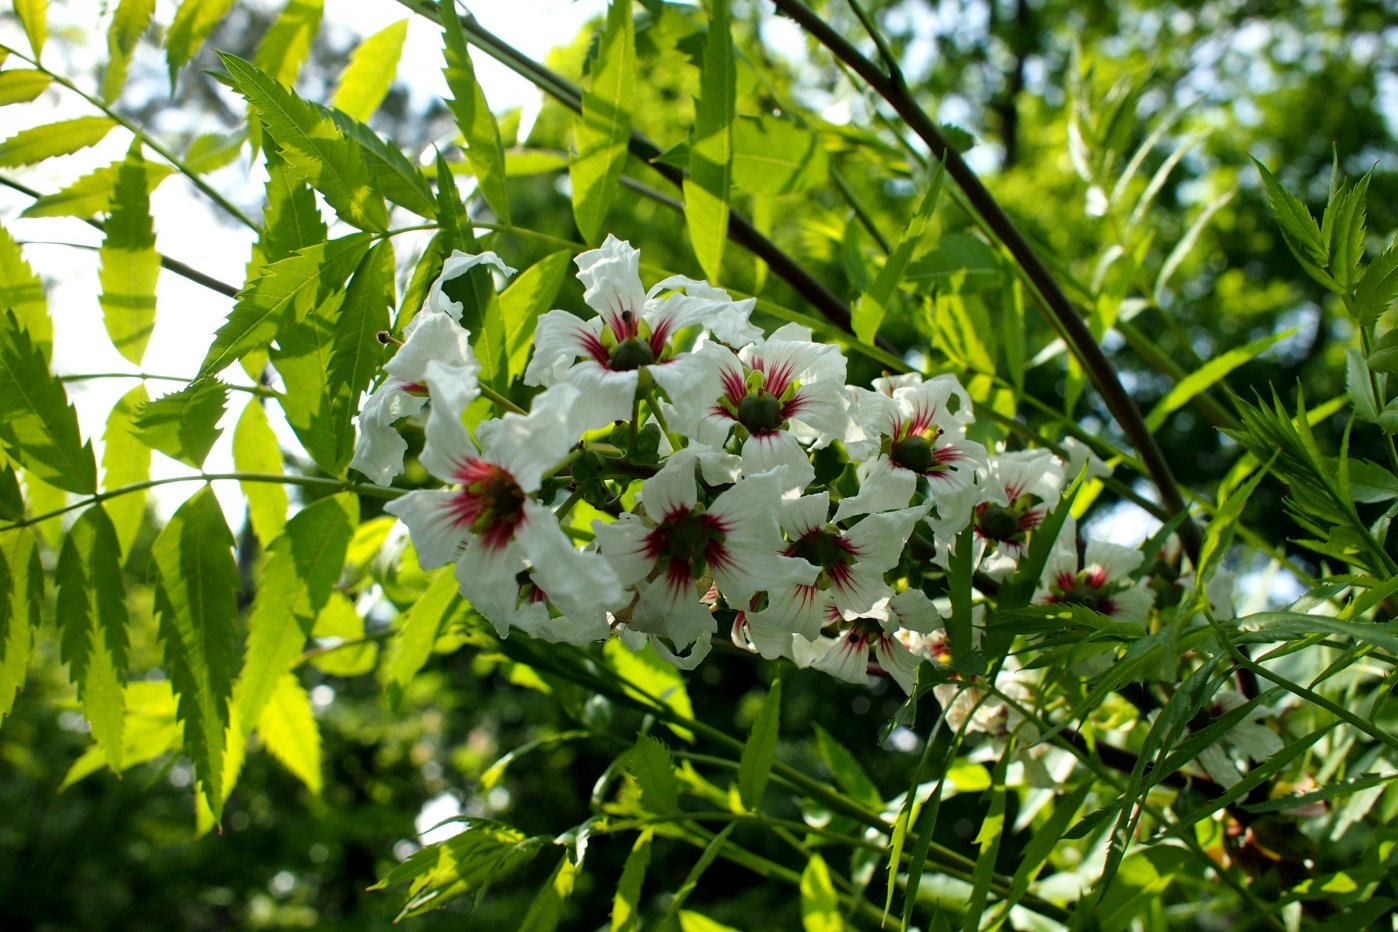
point(37, 424)
point(369, 74)
point(288, 729)
point(820, 907)
point(603, 129)
point(547, 909)
point(130, 264)
point(93, 193)
point(706, 190)
point(291, 220)
point(528, 295)
point(22, 292)
point(873, 305)
point(184, 424)
point(125, 461)
point(844, 766)
point(33, 14)
point(30, 146)
point(485, 853)
point(755, 765)
point(11, 499)
point(128, 22)
point(255, 450)
point(400, 180)
point(287, 44)
point(195, 599)
point(91, 611)
point(319, 410)
point(193, 22)
point(21, 604)
point(312, 144)
point(357, 353)
point(211, 151)
point(21, 85)
point(473, 117)
point(419, 629)
point(626, 904)
point(653, 771)
point(150, 729)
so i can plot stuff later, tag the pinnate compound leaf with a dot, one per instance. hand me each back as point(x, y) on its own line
point(290, 734)
point(291, 220)
point(30, 146)
point(128, 22)
point(125, 461)
point(23, 292)
point(775, 156)
point(193, 22)
point(287, 42)
point(312, 144)
point(468, 105)
point(483, 853)
point(401, 181)
point(196, 599)
point(184, 424)
point(1343, 232)
point(755, 765)
point(820, 905)
point(1299, 229)
point(212, 151)
point(33, 14)
point(291, 287)
point(149, 730)
point(872, 306)
point(38, 427)
point(707, 189)
point(21, 601)
point(130, 263)
point(643, 673)
point(11, 499)
point(320, 411)
point(603, 128)
point(21, 85)
point(256, 450)
point(92, 194)
point(92, 617)
point(370, 72)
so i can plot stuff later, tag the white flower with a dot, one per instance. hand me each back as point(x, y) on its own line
point(1018, 491)
point(847, 656)
point(1102, 585)
point(458, 264)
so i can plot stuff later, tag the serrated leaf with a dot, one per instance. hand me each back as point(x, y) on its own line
point(483, 853)
point(23, 292)
point(849, 775)
point(320, 414)
point(193, 22)
point(11, 499)
point(400, 180)
point(33, 14)
point(529, 295)
point(626, 904)
point(21, 85)
point(1360, 387)
point(212, 151)
point(184, 424)
point(547, 909)
point(196, 599)
point(38, 426)
point(291, 221)
point(775, 156)
point(287, 43)
point(644, 673)
point(128, 22)
point(651, 766)
point(357, 353)
point(473, 117)
point(755, 765)
point(1345, 218)
point(418, 629)
point(125, 461)
point(1377, 287)
point(337, 624)
point(707, 189)
point(92, 616)
point(302, 566)
point(91, 194)
point(370, 72)
point(1209, 375)
point(312, 144)
point(291, 287)
point(130, 263)
point(820, 904)
point(256, 450)
point(21, 604)
point(1298, 226)
point(872, 306)
point(31, 146)
point(289, 732)
point(603, 128)
point(150, 729)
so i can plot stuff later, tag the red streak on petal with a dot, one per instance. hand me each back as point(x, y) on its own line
point(594, 348)
point(734, 388)
point(1097, 577)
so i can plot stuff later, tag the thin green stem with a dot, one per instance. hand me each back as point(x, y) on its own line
point(500, 400)
point(145, 138)
point(259, 390)
point(654, 405)
point(568, 244)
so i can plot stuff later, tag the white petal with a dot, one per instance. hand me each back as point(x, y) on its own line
point(612, 279)
point(672, 491)
point(1117, 561)
point(458, 264)
point(560, 340)
point(379, 449)
point(487, 578)
point(897, 661)
point(577, 583)
point(792, 609)
point(433, 337)
point(623, 544)
point(431, 519)
point(448, 444)
point(802, 516)
point(528, 445)
point(604, 396)
point(915, 611)
point(882, 487)
point(847, 659)
point(779, 451)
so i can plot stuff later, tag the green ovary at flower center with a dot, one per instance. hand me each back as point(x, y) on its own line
point(687, 537)
point(818, 548)
point(1088, 596)
point(632, 353)
point(761, 412)
point(997, 523)
point(915, 453)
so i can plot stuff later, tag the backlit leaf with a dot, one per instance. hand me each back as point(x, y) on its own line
point(484, 853)
point(33, 14)
point(125, 461)
point(290, 734)
point(291, 220)
point(1209, 375)
point(21, 602)
point(473, 117)
point(193, 22)
point(401, 181)
point(530, 294)
point(643, 672)
point(1377, 287)
point(755, 765)
point(128, 22)
point(23, 292)
point(357, 353)
point(255, 450)
point(211, 151)
point(21, 85)
point(626, 904)
point(319, 412)
point(38, 427)
point(184, 424)
point(706, 190)
point(653, 769)
point(820, 905)
point(91, 194)
point(287, 43)
point(130, 263)
point(872, 306)
point(370, 72)
point(418, 629)
point(65, 137)
point(776, 156)
point(547, 909)
point(601, 132)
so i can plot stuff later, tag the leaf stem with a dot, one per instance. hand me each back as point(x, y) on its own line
point(259, 390)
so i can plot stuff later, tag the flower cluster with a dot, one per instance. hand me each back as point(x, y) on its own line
point(724, 475)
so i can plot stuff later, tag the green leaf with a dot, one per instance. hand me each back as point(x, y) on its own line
point(643, 673)
point(872, 306)
point(91, 194)
point(287, 43)
point(339, 626)
point(1344, 222)
point(289, 732)
point(196, 598)
point(1209, 375)
point(291, 221)
point(1370, 482)
point(184, 424)
point(626, 904)
point(130, 263)
point(128, 22)
point(1046, 839)
point(959, 263)
point(820, 904)
point(547, 909)
point(473, 117)
point(256, 450)
point(21, 85)
point(92, 616)
point(149, 730)
point(125, 461)
point(1377, 287)
point(706, 858)
point(1298, 227)
point(211, 151)
point(418, 629)
point(603, 128)
point(302, 566)
point(651, 766)
point(775, 156)
point(992, 830)
point(320, 412)
point(33, 14)
point(23, 292)
point(849, 775)
point(11, 499)
point(312, 144)
point(38, 427)
point(755, 765)
point(1359, 384)
point(698, 922)
point(370, 72)
point(707, 189)
point(291, 287)
point(401, 181)
point(358, 354)
point(30, 146)
point(193, 22)
point(485, 852)
point(530, 294)
point(21, 604)
point(1280, 626)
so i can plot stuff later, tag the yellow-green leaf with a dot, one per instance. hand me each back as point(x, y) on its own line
point(21, 85)
point(706, 190)
point(255, 450)
point(184, 424)
point(212, 151)
point(287, 43)
point(125, 461)
point(65, 137)
point(290, 734)
point(473, 117)
point(755, 765)
point(603, 128)
point(130, 263)
point(370, 72)
point(23, 292)
point(38, 426)
point(820, 905)
point(626, 904)
point(1209, 375)
point(193, 22)
point(872, 306)
point(21, 601)
point(91, 194)
point(130, 20)
point(34, 15)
